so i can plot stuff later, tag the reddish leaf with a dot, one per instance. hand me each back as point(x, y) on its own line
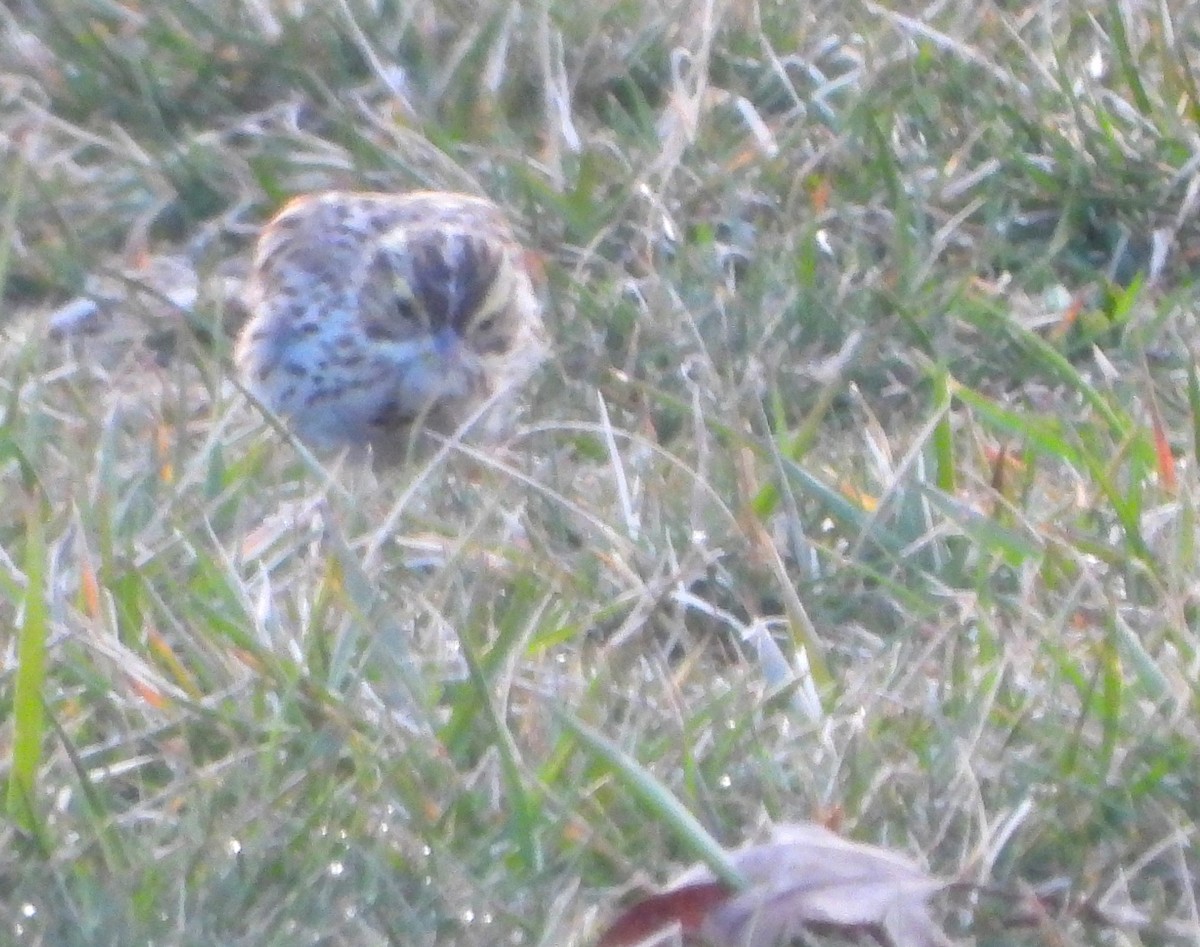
point(1162, 450)
point(151, 695)
point(688, 907)
point(90, 586)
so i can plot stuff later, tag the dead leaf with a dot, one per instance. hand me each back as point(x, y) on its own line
point(805, 877)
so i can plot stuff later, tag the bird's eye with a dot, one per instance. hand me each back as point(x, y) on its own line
point(405, 310)
point(486, 325)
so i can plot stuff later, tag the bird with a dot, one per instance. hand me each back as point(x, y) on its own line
point(375, 317)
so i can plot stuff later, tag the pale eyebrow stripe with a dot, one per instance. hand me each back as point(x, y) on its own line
point(500, 289)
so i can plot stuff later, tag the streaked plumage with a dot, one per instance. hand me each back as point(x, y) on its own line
point(374, 315)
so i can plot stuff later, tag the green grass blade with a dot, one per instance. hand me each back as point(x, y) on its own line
point(943, 437)
point(1010, 546)
point(521, 803)
point(28, 709)
point(1129, 69)
point(1059, 366)
point(8, 219)
point(1046, 436)
point(658, 799)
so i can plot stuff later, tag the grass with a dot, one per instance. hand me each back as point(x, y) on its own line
point(862, 485)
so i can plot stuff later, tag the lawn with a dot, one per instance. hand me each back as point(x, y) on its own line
point(860, 488)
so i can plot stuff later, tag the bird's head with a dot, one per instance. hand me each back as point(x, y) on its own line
point(451, 287)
